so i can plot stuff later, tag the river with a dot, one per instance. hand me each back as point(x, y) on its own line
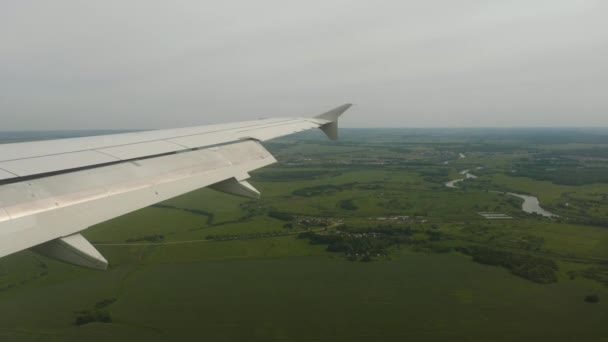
point(531, 204)
point(465, 173)
point(452, 183)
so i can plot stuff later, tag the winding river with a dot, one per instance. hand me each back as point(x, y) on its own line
point(531, 204)
point(467, 175)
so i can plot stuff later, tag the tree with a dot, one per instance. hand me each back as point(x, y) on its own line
point(592, 298)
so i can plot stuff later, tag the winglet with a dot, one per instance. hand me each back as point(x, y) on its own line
point(334, 114)
point(331, 128)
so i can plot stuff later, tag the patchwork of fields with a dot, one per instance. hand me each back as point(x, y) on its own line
point(356, 240)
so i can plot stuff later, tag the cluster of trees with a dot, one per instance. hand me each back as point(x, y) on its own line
point(593, 152)
point(372, 186)
point(104, 303)
point(592, 298)
point(486, 147)
point(538, 270)
point(35, 275)
point(299, 175)
point(561, 170)
point(361, 244)
point(99, 314)
point(86, 317)
point(348, 205)
point(280, 215)
point(432, 247)
point(395, 204)
point(384, 230)
point(359, 248)
point(592, 221)
point(599, 274)
point(584, 211)
point(320, 239)
point(530, 242)
point(251, 209)
point(210, 216)
point(435, 175)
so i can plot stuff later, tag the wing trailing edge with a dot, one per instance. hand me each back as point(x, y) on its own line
point(234, 186)
point(73, 249)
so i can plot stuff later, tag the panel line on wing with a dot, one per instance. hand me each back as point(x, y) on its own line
point(133, 143)
point(5, 174)
point(126, 187)
point(17, 178)
point(247, 129)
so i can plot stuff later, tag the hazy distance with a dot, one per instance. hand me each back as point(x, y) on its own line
point(425, 63)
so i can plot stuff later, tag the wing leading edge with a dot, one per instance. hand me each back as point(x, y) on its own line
point(52, 190)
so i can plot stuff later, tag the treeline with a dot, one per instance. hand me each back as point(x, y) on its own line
point(599, 274)
point(249, 236)
point(371, 186)
point(210, 216)
point(149, 238)
point(560, 170)
point(566, 176)
point(398, 149)
point(538, 270)
point(362, 248)
point(487, 147)
point(35, 275)
point(593, 152)
point(327, 189)
point(86, 317)
point(591, 221)
point(364, 244)
point(280, 215)
point(384, 230)
point(300, 175)
point(435, 175)
point(361, 244)
point(99, 314)
point(584, 211)
point(348, 205)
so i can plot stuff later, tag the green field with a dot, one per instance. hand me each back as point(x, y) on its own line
point(353, 241)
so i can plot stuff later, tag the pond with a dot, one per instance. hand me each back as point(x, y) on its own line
point(532, 205)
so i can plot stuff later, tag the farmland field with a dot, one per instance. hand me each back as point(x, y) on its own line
point(356, 240)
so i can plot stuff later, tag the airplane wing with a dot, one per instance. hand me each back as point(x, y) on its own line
point(52, 190)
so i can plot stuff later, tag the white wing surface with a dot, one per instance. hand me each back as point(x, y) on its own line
point(52, 190)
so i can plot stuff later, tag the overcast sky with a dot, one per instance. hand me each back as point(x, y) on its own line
point(410, 63)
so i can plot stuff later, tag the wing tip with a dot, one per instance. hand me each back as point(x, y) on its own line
point(331, 117)
point(335, 113)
